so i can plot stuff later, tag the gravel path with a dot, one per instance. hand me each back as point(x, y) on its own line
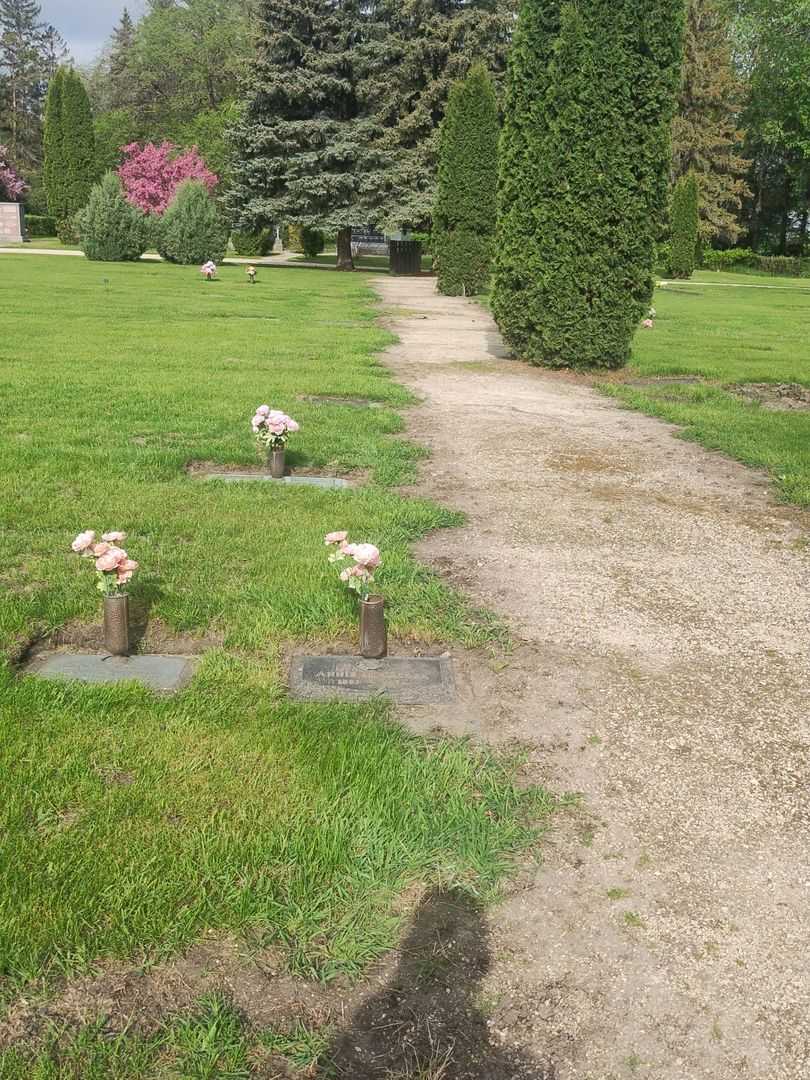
point(660, 598)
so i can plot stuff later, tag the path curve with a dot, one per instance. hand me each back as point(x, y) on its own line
point(660, 598)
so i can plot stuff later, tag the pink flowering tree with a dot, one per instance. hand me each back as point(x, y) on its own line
point(11, 186)
point(151, 174)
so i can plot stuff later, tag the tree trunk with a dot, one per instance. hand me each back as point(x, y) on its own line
point(344, 250)
point(803, 234)
point(785, 218)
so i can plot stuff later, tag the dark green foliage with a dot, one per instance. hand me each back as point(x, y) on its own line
point(40, 225)
point(110, 228)
point(414, 54)
point(193, 229)
point(312, 242)
point(583, 175)
point(464, 214)
point(251, 244)
point(684, 225)
point(300, 145)
point(69, 141)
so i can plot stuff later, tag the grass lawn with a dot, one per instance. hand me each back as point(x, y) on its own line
point(130, 823)
point(731, 336)
point(45, 242)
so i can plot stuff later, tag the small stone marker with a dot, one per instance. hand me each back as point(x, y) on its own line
point(408, 680)
point(165, 674)
point(314, 481)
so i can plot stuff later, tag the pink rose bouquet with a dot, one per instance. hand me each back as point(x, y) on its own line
point(208, 270)
point(272, 428)
point(114, 568)
point(362, 560)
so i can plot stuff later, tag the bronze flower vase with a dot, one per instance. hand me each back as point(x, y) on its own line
point(116, 624)
point(373, 633)
point(275, 462)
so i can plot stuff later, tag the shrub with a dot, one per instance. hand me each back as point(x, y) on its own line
point(684, 223)
point(40, 225)
point(583, 174)
point(312, 241)
point(779, 264)
point(110, 229)
point(193, 229)
point(464, 214)
point(252, 244)
point(292, 236)
point(728, 259)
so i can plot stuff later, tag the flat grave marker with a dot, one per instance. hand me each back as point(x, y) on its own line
point(231, 477)
point(165, 674)
point(407, 680)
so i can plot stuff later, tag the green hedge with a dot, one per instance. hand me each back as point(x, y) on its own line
point(746, 259)
point(253, 244)
point(40, 225)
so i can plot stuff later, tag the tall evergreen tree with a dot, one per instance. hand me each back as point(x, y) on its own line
point(70, 165)
point(705, 132)
point(684, 227)
point(301, 147)
point(122, 78)
point(584, 174)
point(464, 214)
point(21, 75)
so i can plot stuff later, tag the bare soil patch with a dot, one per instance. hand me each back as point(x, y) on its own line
point(781, 397)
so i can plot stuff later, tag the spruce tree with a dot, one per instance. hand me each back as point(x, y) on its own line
point(705, 132)
point(192, 230)
point(301, 150)
point(684, 222)
point(464, 214)
point(70, 164)
point(586, 135)
point(411, 56)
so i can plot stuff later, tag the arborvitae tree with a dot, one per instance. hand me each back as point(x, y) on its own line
point(70, 162)
point(464, 214)
point(110, 228)
point(705, 135)
point(192, 230)
point(584, 171)
point(300, 144)
point(684, 223)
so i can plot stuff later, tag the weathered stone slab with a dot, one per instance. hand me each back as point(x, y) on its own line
point(408, 680)
point(12, 222)
point(166, 674)
point(314, 481)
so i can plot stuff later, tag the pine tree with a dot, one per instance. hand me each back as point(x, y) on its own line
point(684, 227)
point(705, 135)
point(69, 147)
point(584, 170)
point(122, 81)
point(464, 214)
point(300, 145)
point(21, 75)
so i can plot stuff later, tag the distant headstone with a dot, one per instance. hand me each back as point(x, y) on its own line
point(408, 680)
point(12, 223)
point(166, 674)
point(368, 241)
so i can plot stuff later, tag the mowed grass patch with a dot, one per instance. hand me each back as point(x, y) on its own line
point(730, 336)
point(132, 823)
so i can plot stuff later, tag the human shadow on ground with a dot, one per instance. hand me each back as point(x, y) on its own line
point(145, 591)
point(427, 1023)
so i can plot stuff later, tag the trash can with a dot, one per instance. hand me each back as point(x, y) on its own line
point(405, 257)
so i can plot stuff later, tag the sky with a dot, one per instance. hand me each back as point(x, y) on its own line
point(86, 24)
